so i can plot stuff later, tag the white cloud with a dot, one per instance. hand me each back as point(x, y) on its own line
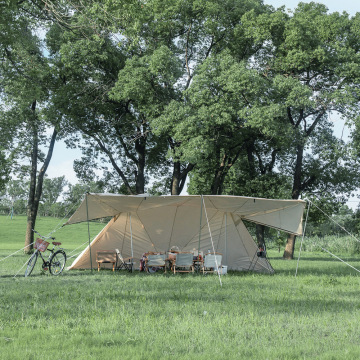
point(63, 168)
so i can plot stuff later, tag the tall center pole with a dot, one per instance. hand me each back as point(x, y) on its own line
point(201, 202)
point(87, 217)
point(132, 249)
point(302, 240)
point(226, 239)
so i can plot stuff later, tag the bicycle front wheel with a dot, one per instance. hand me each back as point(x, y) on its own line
point(57, 262)
point(31, 263)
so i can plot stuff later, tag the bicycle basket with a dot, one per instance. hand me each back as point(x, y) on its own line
point(41, 245)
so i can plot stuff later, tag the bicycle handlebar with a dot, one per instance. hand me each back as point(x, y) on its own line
point(43, 237)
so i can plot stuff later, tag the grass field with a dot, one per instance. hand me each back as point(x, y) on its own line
point(84, 315)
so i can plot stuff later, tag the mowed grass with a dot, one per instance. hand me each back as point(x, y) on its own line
point(84, 315)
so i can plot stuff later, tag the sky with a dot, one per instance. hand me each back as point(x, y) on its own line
point(62, 161)
point(350, 6)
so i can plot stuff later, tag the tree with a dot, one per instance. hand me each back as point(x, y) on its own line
point(311, 60)
point(6, 155)
point(27, 85)
point(154, 49)
point(115, 138)
point(14, 197)
point(75, 194)
point(52, 189)
point(195, 127)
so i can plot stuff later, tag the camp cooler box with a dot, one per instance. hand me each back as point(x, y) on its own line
point(223, 270)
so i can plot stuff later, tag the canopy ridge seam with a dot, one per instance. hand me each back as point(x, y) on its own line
point(202, 228)
point(149, 237)
point(241, 206)
point(237, 230)
point(98, 198)
point(222, 223)
point(269, 211)
point(172, 227)
point(123, 238)
point(267, 264)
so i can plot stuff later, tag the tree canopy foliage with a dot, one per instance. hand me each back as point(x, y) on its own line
point(234, 95)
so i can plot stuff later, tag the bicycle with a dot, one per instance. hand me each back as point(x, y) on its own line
point(55, 263)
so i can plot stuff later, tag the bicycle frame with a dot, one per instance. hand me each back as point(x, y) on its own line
point(56, 260)
point(46, 263)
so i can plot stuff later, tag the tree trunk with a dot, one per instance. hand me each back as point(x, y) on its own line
point(179, 177)
point(260, 235)
point(218, 182)
point(140, 147)
point(296, 191)
point(36, 184)
point(227, 161)
point(290, 247)
point(31, 217)
point(175, 180)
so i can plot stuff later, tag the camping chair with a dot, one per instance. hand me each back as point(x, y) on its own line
point(155, 261)
point(210, 262)
point(126, 264)
point(184, 261)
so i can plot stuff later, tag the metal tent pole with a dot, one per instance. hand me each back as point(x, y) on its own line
point(87, 217)
point(302, 240)
point(212, 244)
point(201, 203)
point(226, 259)
point(132, 249)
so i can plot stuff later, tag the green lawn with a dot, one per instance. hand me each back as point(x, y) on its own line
point(84, 315)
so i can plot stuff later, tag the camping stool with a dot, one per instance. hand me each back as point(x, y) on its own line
point(106, 257)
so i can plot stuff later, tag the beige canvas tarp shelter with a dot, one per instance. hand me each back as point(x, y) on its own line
point(140, 224)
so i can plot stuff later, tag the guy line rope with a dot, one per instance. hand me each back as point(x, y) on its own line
point(212, 242)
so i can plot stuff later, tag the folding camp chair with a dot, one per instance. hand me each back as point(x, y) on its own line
point(126, 264)
point(183, 263)
point(211, 261)
point(155, 261)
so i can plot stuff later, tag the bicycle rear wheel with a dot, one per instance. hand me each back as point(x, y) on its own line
point(31, 263)
point(57, 262)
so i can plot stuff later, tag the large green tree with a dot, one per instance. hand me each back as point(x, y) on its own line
point(312, 60)
point(114, 138)
point(27, 85)
point(153, 49)
point(203, 121)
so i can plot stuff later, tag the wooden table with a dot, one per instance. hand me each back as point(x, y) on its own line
point(106, 257)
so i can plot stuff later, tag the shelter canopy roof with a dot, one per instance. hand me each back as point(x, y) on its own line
point(284, 215)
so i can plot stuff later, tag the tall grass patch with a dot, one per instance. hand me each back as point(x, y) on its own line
point(333, 243)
